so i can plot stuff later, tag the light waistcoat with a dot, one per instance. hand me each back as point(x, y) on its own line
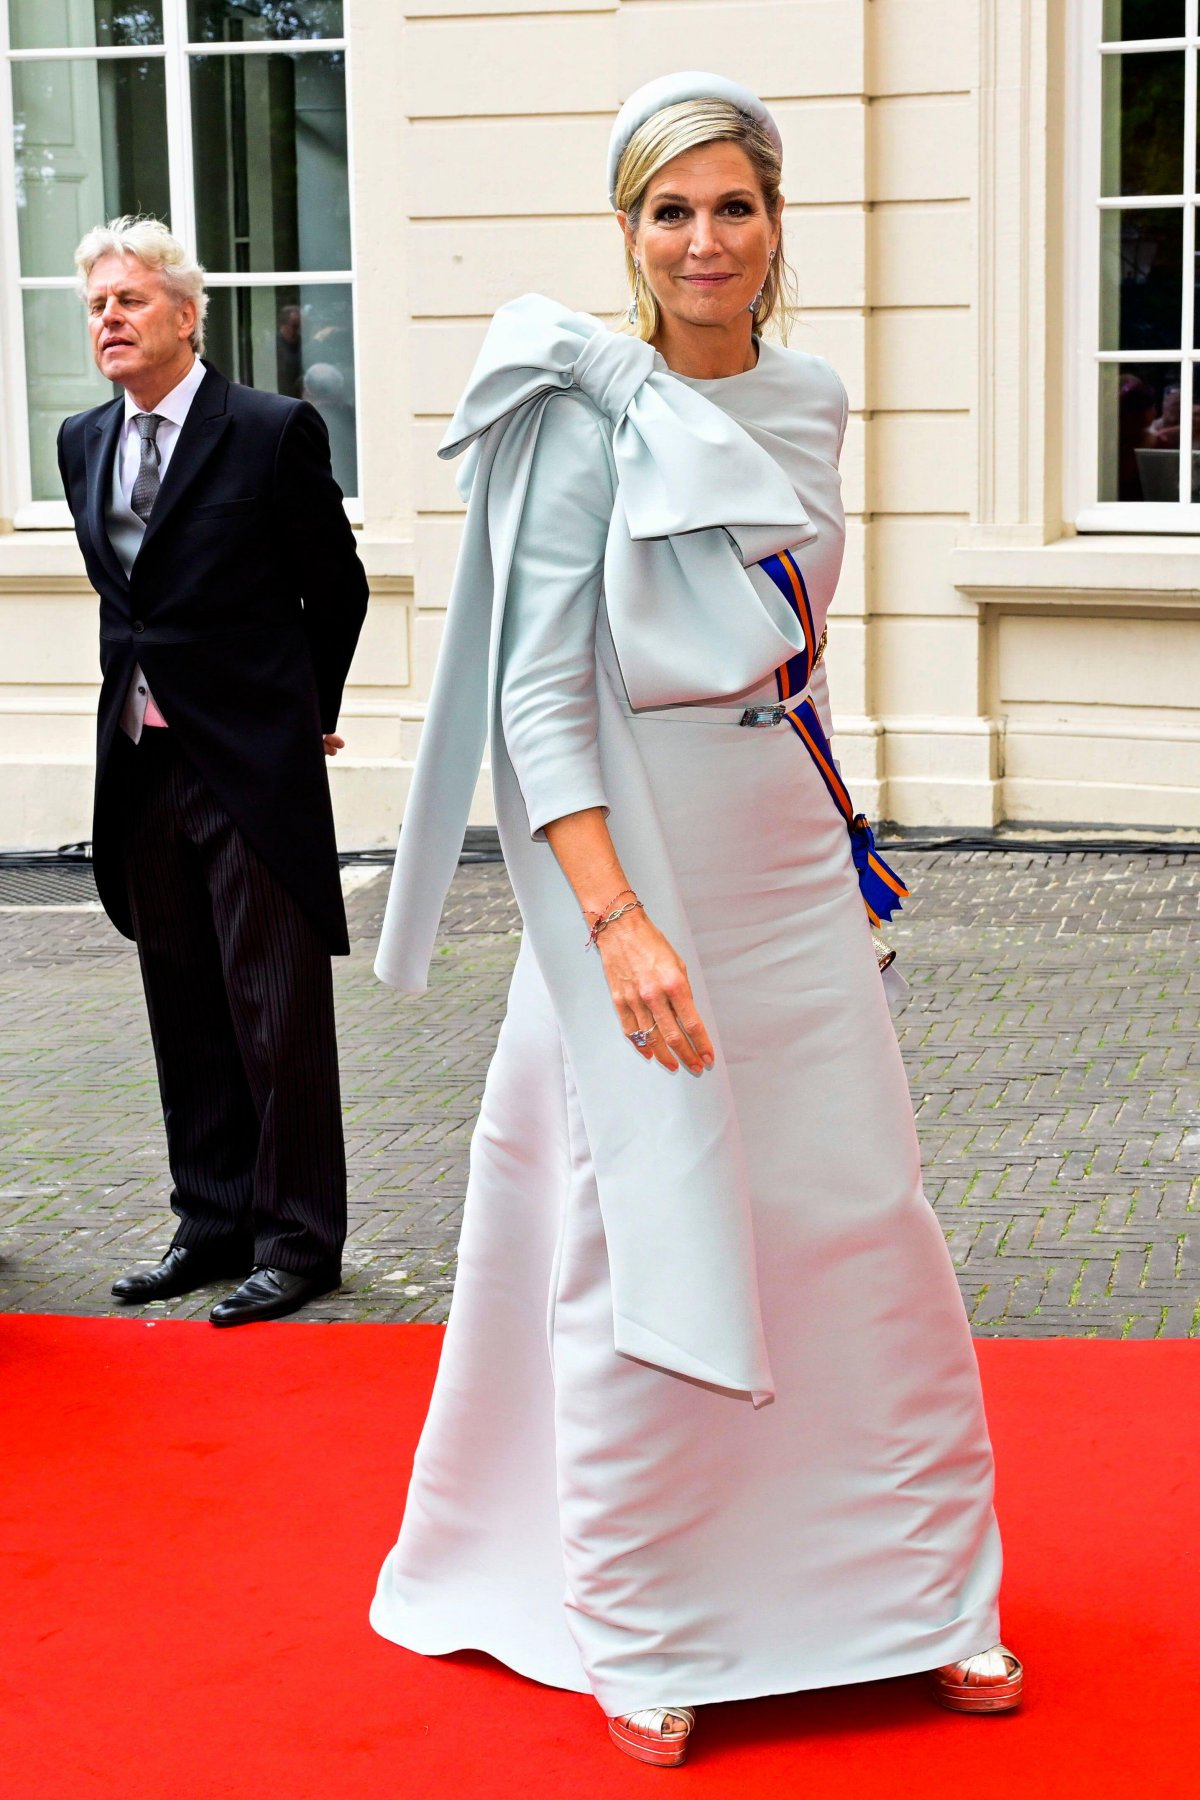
point(125, 533)
point(126, 530)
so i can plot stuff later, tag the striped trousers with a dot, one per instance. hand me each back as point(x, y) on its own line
point(239, 989)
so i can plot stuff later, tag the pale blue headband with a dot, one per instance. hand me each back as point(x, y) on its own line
point(672, 90)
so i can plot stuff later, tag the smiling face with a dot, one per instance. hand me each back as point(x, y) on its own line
point(704, 240)
point(141, 332)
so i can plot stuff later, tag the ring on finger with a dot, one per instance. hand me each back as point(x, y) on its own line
point(639, 1039)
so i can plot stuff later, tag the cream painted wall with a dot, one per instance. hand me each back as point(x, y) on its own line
point(984, 663)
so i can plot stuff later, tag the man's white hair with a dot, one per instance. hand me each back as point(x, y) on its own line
point(149, 241)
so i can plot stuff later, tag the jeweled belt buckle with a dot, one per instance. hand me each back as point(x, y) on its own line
point(754, 716)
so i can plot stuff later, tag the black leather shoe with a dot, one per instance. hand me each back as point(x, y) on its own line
point(271, 1294)
point(180, 1271)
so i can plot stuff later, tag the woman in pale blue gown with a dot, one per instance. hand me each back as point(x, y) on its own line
point(707, 1423)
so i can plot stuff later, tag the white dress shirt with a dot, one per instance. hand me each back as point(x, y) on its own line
point(172, 410)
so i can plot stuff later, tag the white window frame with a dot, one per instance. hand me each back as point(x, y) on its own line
point(175, 50)
point(1083, 210)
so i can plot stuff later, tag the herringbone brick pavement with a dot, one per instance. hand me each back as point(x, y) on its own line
point(1051, 1035)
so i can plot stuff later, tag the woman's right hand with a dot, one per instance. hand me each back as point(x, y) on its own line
point(649, 984)
point(651, 992)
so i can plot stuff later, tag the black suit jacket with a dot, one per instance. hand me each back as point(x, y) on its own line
point(243, 607)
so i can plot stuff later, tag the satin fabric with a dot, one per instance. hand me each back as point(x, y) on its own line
point(608, 1521)
point(691, 502)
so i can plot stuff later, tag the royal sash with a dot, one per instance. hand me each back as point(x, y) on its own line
point(881, 888)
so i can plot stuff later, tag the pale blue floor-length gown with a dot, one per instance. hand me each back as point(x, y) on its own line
point(593, 1520)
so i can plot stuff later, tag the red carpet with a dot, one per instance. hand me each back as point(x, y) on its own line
point(192, 1523)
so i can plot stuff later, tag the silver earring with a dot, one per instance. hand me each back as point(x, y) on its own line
point(758, 298)
point(632, 314)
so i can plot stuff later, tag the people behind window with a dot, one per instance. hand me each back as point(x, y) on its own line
point(287, 351)
point(324, 386)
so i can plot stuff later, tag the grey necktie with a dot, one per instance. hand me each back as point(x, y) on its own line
point(145, 487)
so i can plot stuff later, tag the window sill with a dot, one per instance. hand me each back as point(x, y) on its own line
point(43, 515)
point(28, 557)
point(1114, 570)
point(386, 558)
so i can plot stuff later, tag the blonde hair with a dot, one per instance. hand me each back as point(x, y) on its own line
point(149, 242)
point(666, 135)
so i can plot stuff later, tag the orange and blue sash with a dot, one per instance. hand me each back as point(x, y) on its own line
point(881, 888)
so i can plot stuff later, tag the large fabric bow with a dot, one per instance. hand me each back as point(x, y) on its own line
point(698, 503)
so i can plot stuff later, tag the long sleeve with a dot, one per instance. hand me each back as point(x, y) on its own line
point(321, 544)
point(548, 681)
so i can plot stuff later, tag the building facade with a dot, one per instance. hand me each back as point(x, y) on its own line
point(991, 214)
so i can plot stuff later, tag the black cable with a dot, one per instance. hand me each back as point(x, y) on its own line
point(481, 844)
point(66, 853)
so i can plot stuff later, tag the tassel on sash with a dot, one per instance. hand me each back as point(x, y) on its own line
point(881, 888)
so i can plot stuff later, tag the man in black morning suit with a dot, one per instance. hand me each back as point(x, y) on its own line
point(231, 599)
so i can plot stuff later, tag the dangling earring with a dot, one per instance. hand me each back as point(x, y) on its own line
point(758, 298)
point(632, 314)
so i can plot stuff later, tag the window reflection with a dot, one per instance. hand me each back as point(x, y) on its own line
point(289, 354)
point(83, 24)
point(1141, 427)
point(1141, 253)
point(1129, 19)
point(61, 377)
point(232, 21)
point(297, 341)
point(1142, 151)
point(269, 147)
point(91, 142)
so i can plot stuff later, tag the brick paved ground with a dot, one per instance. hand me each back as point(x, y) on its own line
point(1051, 1036)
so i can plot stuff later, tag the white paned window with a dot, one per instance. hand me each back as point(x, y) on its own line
point(225, 118)
point(1133, 326)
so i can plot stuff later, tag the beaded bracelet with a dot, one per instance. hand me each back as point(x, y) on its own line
point(605, 919)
